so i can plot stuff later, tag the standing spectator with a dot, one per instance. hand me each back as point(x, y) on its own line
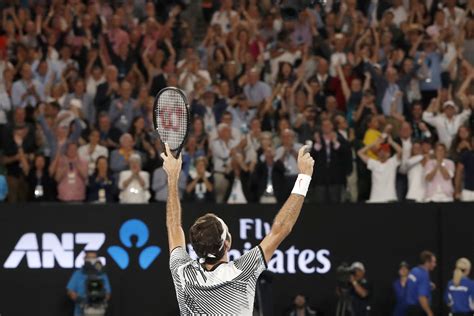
point(107, 91)
point(123, 110)
point(439, 175)
point(119, 158)
point(400, 289)
point(86, 101)
point(71, 175)
point(41, 186)
point(418, 287)
point(238, 177)
point(101, 187)
point(134, 183)
point(383, 170)
point(415, 166)
point(27, 91)
point(387, 89)
point(225, 16)
point(222, 149)
point(465, 171)
point(109, 135)
point(256, 90)
point(405, 141)
point(333, 162)
point(160, 184)
point(92, 151)
point(447, 123)
point(268, 179)
point(200, 187)
point(460, 290)
point(288, 153)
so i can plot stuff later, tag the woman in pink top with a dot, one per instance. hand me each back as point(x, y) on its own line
point(439, 173)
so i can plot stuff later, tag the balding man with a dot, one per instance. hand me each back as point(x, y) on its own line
point(108, 90)
point(122, 110)
point(256, 90)
point(222, 150)
point(27, 91)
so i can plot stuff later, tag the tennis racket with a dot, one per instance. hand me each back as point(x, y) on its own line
point(171, 119)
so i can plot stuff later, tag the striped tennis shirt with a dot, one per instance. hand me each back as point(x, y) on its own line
point(228, 289)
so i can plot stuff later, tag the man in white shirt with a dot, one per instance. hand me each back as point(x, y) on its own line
point(92, 151)
point(222, 150)
point(384, 170)
point(225, 16)
point(447, 123)
point(193, 74)
point(400, 14)
point(134, 183)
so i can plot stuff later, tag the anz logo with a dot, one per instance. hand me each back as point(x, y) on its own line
point(58, 251)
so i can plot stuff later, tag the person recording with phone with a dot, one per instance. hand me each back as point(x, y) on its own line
point(89, 286)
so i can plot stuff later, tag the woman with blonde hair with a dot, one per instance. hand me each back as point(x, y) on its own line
point(460, 291)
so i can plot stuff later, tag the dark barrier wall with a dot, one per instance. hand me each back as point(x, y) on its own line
point(39, 246)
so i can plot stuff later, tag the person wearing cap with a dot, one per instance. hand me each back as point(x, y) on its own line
point(134, 183)
point(460, 290)
point(448, 122)
point(418, 287)
point(439, 173)
point(399, 289)
point(384, 170)
point(361, 290)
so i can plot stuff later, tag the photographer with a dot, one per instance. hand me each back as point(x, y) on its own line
point(89, 287)
point(354, 291)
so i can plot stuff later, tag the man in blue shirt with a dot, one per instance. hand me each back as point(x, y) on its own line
point(418, 288)
point(76, 287)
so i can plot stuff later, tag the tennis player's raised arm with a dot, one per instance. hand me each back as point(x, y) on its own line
point(172, 167)
point(288, 214)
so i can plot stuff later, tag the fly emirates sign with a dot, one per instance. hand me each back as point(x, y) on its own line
point(66, 250)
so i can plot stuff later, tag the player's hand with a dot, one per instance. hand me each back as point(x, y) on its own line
point(171, 165)
point(305, 161)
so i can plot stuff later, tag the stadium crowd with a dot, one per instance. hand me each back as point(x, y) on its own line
point(382, 91)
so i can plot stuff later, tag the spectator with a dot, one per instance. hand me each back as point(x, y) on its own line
point(41, 186)
point(461, 143)
point(255, 90)
point(140, 136)
point(268, 178)
point(134, 183)
point(383, 170)
point(460, 289)
point(439, 173)
point(160, 184)
point(238, 177)
point(300, 307)
point(86, 101)
point(27, 91)
point(415, 166)
point(119, 158)
point(71, 175)
point(333, 162)
point(109, 135)
point(465, 171)
point(418, 287)
point(107, 91)
point(199, 186)
point(222, 149)
point(101, 187)
point(287, 153)
point(447, 123)
point(92, 151)
point(400, 288)
point(122, 110)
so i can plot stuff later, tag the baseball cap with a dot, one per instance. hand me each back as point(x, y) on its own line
point(358, 265)
point(404, 264)
point(449, 103)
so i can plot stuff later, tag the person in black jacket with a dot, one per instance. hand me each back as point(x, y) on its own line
point(200, 187)
point(268, 179)
point(333, 164)
point(101, 187)
point(107, 91)
point(41, 186)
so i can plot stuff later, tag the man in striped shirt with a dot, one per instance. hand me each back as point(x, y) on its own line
point(212, 285)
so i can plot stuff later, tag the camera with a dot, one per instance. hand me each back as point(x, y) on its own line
point(343, 275)
point(95, 303)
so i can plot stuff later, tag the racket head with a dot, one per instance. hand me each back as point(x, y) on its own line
point(171, 118)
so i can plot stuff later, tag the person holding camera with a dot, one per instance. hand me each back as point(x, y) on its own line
point(89, 287)
point(354, 296)
point(460, 290)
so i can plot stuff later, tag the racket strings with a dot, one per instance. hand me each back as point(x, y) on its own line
point(171, 118)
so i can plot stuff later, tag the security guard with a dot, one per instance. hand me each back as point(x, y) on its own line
point(460, 290)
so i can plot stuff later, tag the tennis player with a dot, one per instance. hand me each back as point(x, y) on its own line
point(212, 285)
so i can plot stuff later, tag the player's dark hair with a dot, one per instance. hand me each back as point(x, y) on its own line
point(426, 256)
point(205, 236)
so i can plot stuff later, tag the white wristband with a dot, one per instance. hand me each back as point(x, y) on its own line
point(301, 185)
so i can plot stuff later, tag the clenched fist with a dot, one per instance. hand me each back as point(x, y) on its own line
point(305, 161)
